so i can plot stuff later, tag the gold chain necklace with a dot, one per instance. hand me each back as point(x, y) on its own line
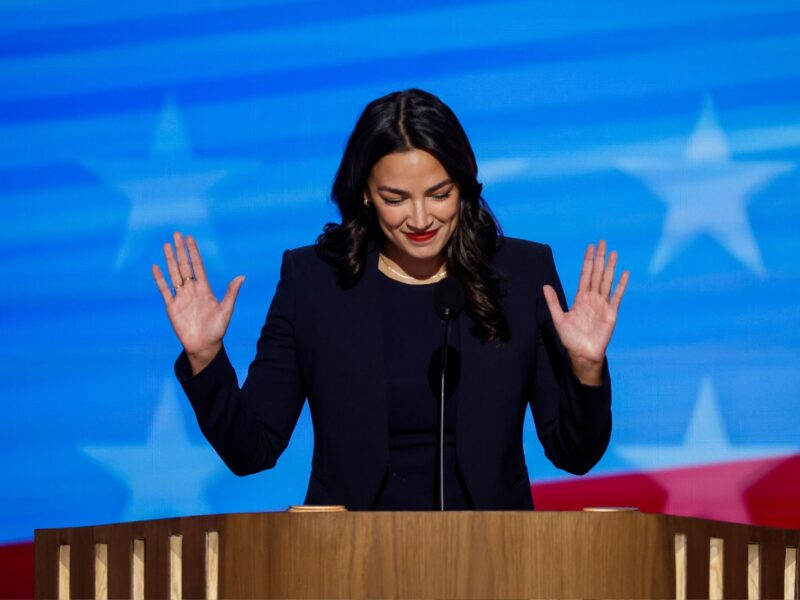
point(404, 276)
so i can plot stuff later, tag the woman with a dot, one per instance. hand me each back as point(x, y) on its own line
point(352, 328)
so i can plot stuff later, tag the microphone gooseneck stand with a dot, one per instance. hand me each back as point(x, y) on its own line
point(448, 300)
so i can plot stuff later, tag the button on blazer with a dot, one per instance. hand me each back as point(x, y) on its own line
point(324, 343)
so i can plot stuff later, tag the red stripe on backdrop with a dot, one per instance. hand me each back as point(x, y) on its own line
point(16, 570)
point(775, 499)
point(759, 492)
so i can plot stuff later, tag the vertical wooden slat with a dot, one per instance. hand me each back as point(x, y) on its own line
point(773, 551)
point(137, 570)
point(118, 538)
point(697, 562)
point(193, 559)
point(716, 551)
point(81, 563)
point(175, 567)
point(156, 564)
point(45, 564)
point(735, 581)
point(63, 572)
point(753, 571)
point(101, 571)
point(790, 574)
point(680, 566)
point(212, 565)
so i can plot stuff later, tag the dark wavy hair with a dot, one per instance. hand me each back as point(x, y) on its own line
point(399, 122)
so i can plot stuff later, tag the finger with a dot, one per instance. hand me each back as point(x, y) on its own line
point(597, 266)
point(197, 262)
point(620, 289)
point(183, 257)
point(172, 267)
point(608, 275)
point(231, 293)
point(162, 285)
point(556, 312)
point(586, 269)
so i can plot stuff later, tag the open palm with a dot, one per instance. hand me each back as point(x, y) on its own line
point(585, 329)
point(198, 318)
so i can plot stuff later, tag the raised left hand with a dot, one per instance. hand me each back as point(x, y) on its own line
point(585, 329)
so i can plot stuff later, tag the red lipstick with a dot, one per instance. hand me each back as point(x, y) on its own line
point(421, 237)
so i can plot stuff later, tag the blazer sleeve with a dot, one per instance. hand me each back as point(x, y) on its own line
point(573, 420)
point(250, 427)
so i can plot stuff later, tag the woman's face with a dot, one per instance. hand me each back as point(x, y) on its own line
point(416, 204)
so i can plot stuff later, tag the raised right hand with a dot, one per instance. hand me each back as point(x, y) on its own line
point(198, 318)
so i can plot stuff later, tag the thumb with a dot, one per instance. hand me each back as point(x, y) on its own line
point(231, 293)
point(550, 296)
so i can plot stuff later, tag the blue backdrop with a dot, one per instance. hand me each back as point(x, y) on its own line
point(670, 129)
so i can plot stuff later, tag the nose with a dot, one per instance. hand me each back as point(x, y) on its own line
point(419, 219)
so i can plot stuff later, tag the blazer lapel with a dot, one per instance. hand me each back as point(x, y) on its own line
point(370, 438)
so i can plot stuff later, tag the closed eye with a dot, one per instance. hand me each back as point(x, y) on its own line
point(444, 196)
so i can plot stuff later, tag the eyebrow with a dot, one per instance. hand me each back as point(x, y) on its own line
point(433, 188)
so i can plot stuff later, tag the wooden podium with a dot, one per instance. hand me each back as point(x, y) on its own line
point(418, 555)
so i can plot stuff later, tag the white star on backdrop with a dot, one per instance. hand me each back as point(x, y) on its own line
point(705, 441)
point(169, 190)
point(167, 475)
point(705, 475)
point(706, 192)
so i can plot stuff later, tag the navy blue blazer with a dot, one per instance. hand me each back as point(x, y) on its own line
point(323, 343)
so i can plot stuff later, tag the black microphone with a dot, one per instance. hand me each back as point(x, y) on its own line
point(448, 300)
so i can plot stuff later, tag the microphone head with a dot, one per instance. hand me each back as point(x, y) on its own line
point(448, 298)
